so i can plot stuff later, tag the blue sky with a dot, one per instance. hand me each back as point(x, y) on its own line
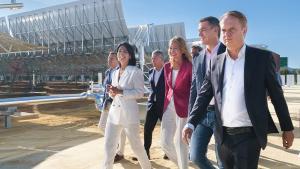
point(275, 23)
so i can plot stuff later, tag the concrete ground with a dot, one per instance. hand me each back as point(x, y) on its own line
point(65, 137)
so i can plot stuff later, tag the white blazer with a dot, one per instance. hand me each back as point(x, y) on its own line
point(124, 108)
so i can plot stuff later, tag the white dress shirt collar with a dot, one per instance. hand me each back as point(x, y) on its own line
point(214, 51)
point(241, 54)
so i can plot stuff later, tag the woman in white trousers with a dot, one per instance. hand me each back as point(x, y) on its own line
point(178, 78)
point(127, 86)
point(121, 143)
point(104, 106)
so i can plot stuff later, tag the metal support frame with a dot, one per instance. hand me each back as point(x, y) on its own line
point(74, 29)
point(7, 112)
point(85, 20)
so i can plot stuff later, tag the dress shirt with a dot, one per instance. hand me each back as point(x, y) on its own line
point(174, 76)
point(208, 57)
point(157, 74)
point(234, 112)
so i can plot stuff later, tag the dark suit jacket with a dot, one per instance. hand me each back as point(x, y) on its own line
point(259, 77)
point(181, 89)
point(199, 70)
point(158, 91)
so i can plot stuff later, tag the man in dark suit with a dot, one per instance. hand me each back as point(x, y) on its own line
point(209, 32)
point(156, 98)
point(238, 80)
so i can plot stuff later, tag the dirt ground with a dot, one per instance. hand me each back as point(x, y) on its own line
point(59, 126)
point(65, 136)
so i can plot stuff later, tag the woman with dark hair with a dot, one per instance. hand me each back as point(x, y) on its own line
point(127, 86)
point(178, 79)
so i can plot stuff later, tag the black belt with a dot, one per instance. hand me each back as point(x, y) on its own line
point(237, 130)
point(211, 108)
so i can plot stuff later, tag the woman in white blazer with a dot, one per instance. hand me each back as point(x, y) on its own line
point(127, 86)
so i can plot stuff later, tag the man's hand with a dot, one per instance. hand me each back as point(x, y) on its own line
point(287, 139)
point(186, 135)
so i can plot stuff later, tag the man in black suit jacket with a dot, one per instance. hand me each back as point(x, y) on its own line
point(156, 98)
point(238, 79)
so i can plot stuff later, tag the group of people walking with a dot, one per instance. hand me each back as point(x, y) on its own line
point(219, 90)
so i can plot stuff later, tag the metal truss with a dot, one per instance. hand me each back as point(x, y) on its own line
point(150, 37)
point(78, 27)
point(153, 37)
point(74, 37)
point(3, 25)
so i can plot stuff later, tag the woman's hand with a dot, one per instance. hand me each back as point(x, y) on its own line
point(113, 91)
